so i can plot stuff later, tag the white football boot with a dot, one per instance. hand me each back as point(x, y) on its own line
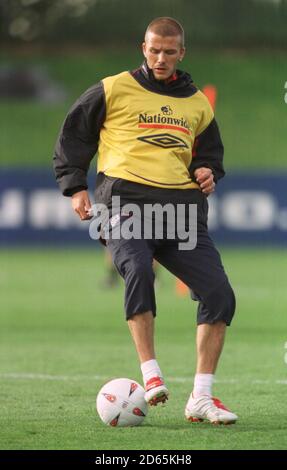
point(156, 391)
point(205, 407)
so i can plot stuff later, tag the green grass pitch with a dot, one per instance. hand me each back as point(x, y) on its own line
point(63, 336)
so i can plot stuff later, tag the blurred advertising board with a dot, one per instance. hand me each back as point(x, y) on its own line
point(246, 209)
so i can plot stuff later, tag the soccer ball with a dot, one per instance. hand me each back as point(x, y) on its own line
point(121, 402)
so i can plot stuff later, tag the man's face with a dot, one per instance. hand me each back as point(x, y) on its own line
point(162, 54)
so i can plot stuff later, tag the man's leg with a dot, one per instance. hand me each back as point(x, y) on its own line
point(201, 405)
point(201, 269)
point(141, 326)
point(209, 344)
point(134, 259)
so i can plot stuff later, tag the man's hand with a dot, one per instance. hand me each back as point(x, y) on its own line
point(81, 204)
point(204, 177)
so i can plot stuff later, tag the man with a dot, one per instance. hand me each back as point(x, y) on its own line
point(157, 142)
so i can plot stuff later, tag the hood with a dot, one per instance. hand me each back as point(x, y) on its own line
point(181, 87)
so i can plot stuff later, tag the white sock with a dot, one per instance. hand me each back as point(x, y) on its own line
point(150, 369)
point(202, 385)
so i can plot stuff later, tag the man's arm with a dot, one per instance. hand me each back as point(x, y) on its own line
point(207, 158)
point(78, 141)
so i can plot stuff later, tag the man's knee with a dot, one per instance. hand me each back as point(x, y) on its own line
point(138, 271)
point(142, 316)
point(139, 295)
point(219, 305)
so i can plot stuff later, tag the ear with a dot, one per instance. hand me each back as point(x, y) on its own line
point(182, 54)
point(144, 48)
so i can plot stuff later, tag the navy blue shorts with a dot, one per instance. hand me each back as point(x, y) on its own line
point(200, 269)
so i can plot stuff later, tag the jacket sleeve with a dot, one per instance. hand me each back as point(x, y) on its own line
point(208, 151)
point(78, 140)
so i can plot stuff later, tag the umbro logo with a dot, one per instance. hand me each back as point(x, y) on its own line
point(166, 141)
point(166, 110)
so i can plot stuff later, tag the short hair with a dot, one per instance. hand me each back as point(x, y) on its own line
point(166, 26)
